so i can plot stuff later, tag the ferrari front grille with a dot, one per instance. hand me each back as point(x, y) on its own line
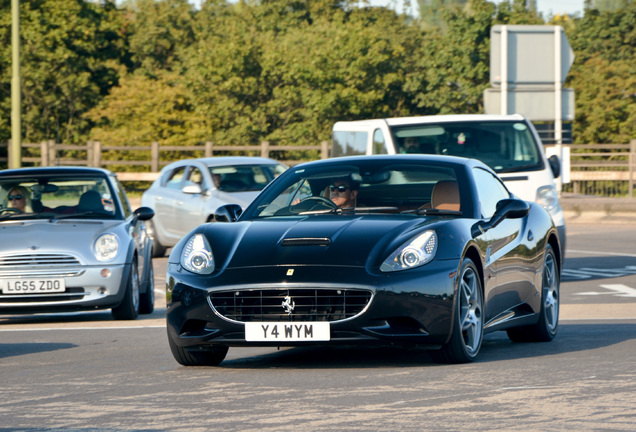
point(299, 304)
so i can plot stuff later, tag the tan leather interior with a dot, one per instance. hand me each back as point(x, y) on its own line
point(445, 196)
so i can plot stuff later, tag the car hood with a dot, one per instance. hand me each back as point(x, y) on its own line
point(63, 236)
point(315, 240)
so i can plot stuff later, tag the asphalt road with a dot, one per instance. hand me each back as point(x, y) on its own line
point(86, 372)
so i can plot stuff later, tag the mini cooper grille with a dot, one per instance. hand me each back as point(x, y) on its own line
point(290, 304)
point(39, 264)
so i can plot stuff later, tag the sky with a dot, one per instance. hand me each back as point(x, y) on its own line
point(546, 7)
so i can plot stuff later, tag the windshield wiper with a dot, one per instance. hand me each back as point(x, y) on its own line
point(435, 212)
point(346, 210)
point(77, 215)
point(518, 168)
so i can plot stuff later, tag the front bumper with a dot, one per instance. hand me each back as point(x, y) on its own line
point(86, 289)
point(412, 307)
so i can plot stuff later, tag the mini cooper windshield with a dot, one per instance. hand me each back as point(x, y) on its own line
point(404, 188)
point(85, 196)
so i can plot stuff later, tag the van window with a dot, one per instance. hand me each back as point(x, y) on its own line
point(349, 143)
point(505, 146)
point(379, 144)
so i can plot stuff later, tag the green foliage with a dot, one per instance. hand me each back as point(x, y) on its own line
point(157, 30)
point(70, 57)
point(284, 71)
point(604, 76)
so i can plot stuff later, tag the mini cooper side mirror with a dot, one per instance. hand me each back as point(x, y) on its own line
point(506, 209)
point(228, 213)
point(144, 213)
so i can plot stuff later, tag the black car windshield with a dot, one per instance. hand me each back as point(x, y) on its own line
point(401, 188)
point(57, 197)
point(505, 146)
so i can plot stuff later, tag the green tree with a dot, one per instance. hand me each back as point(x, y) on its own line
point(157, 30)
point(603, 75)
point(70, 57)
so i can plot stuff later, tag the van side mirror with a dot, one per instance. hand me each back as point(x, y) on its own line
point(228, 213)
point(555, 165)
point(511, 208)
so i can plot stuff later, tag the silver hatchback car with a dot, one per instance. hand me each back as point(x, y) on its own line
point(188, 192)
point(71, 242)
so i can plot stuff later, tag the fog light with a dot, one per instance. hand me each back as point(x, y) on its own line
point(105, 273)
point(101, 290)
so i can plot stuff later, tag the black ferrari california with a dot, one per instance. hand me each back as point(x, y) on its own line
point(414, 250)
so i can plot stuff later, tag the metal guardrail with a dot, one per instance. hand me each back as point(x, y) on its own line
point(595, 169)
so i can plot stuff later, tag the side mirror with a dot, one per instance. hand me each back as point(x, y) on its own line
point(193, 189)
point(144, 213)
point(228, 213)
point(555, 165)
point(511, 208)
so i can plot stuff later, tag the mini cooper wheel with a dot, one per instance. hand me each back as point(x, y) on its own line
point(468, 325)
point(548, 324)
point(147, 299)
point(128, 309)
point(207, 356)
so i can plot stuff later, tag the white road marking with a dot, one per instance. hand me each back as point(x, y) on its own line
point(600, 253)
point(618, 290)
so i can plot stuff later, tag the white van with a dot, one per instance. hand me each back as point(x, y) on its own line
point(509, 144)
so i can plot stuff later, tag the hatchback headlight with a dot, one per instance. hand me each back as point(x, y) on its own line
point(412, 254)
point(106, 247)
point(197, 255)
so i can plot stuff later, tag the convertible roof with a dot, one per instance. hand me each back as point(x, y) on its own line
point(57, 171)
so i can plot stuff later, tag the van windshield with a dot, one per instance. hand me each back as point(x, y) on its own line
point(505, 146)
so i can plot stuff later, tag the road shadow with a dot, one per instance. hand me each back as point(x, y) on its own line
point(13, 350)
point(75, 317)
point(77, 430)
point(496, 347)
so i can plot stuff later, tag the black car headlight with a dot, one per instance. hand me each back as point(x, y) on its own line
point(197, 255)
point(414, 253)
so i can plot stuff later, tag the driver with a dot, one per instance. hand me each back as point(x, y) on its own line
point(343, 192)
point(18, 198)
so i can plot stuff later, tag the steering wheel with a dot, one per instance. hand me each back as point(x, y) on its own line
point(313, 203)
point(10, 210)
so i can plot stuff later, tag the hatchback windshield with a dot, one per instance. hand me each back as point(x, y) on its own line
point(506, 146)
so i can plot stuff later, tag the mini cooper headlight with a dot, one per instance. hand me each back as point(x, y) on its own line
point(106, 247)
point(412, 254)
point(197, 255)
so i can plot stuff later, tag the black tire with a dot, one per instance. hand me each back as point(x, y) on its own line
point(468, 324)
point(147, 298)
point(128, 309)
point(547, 326)
point(158, 250)
point(210, 356)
